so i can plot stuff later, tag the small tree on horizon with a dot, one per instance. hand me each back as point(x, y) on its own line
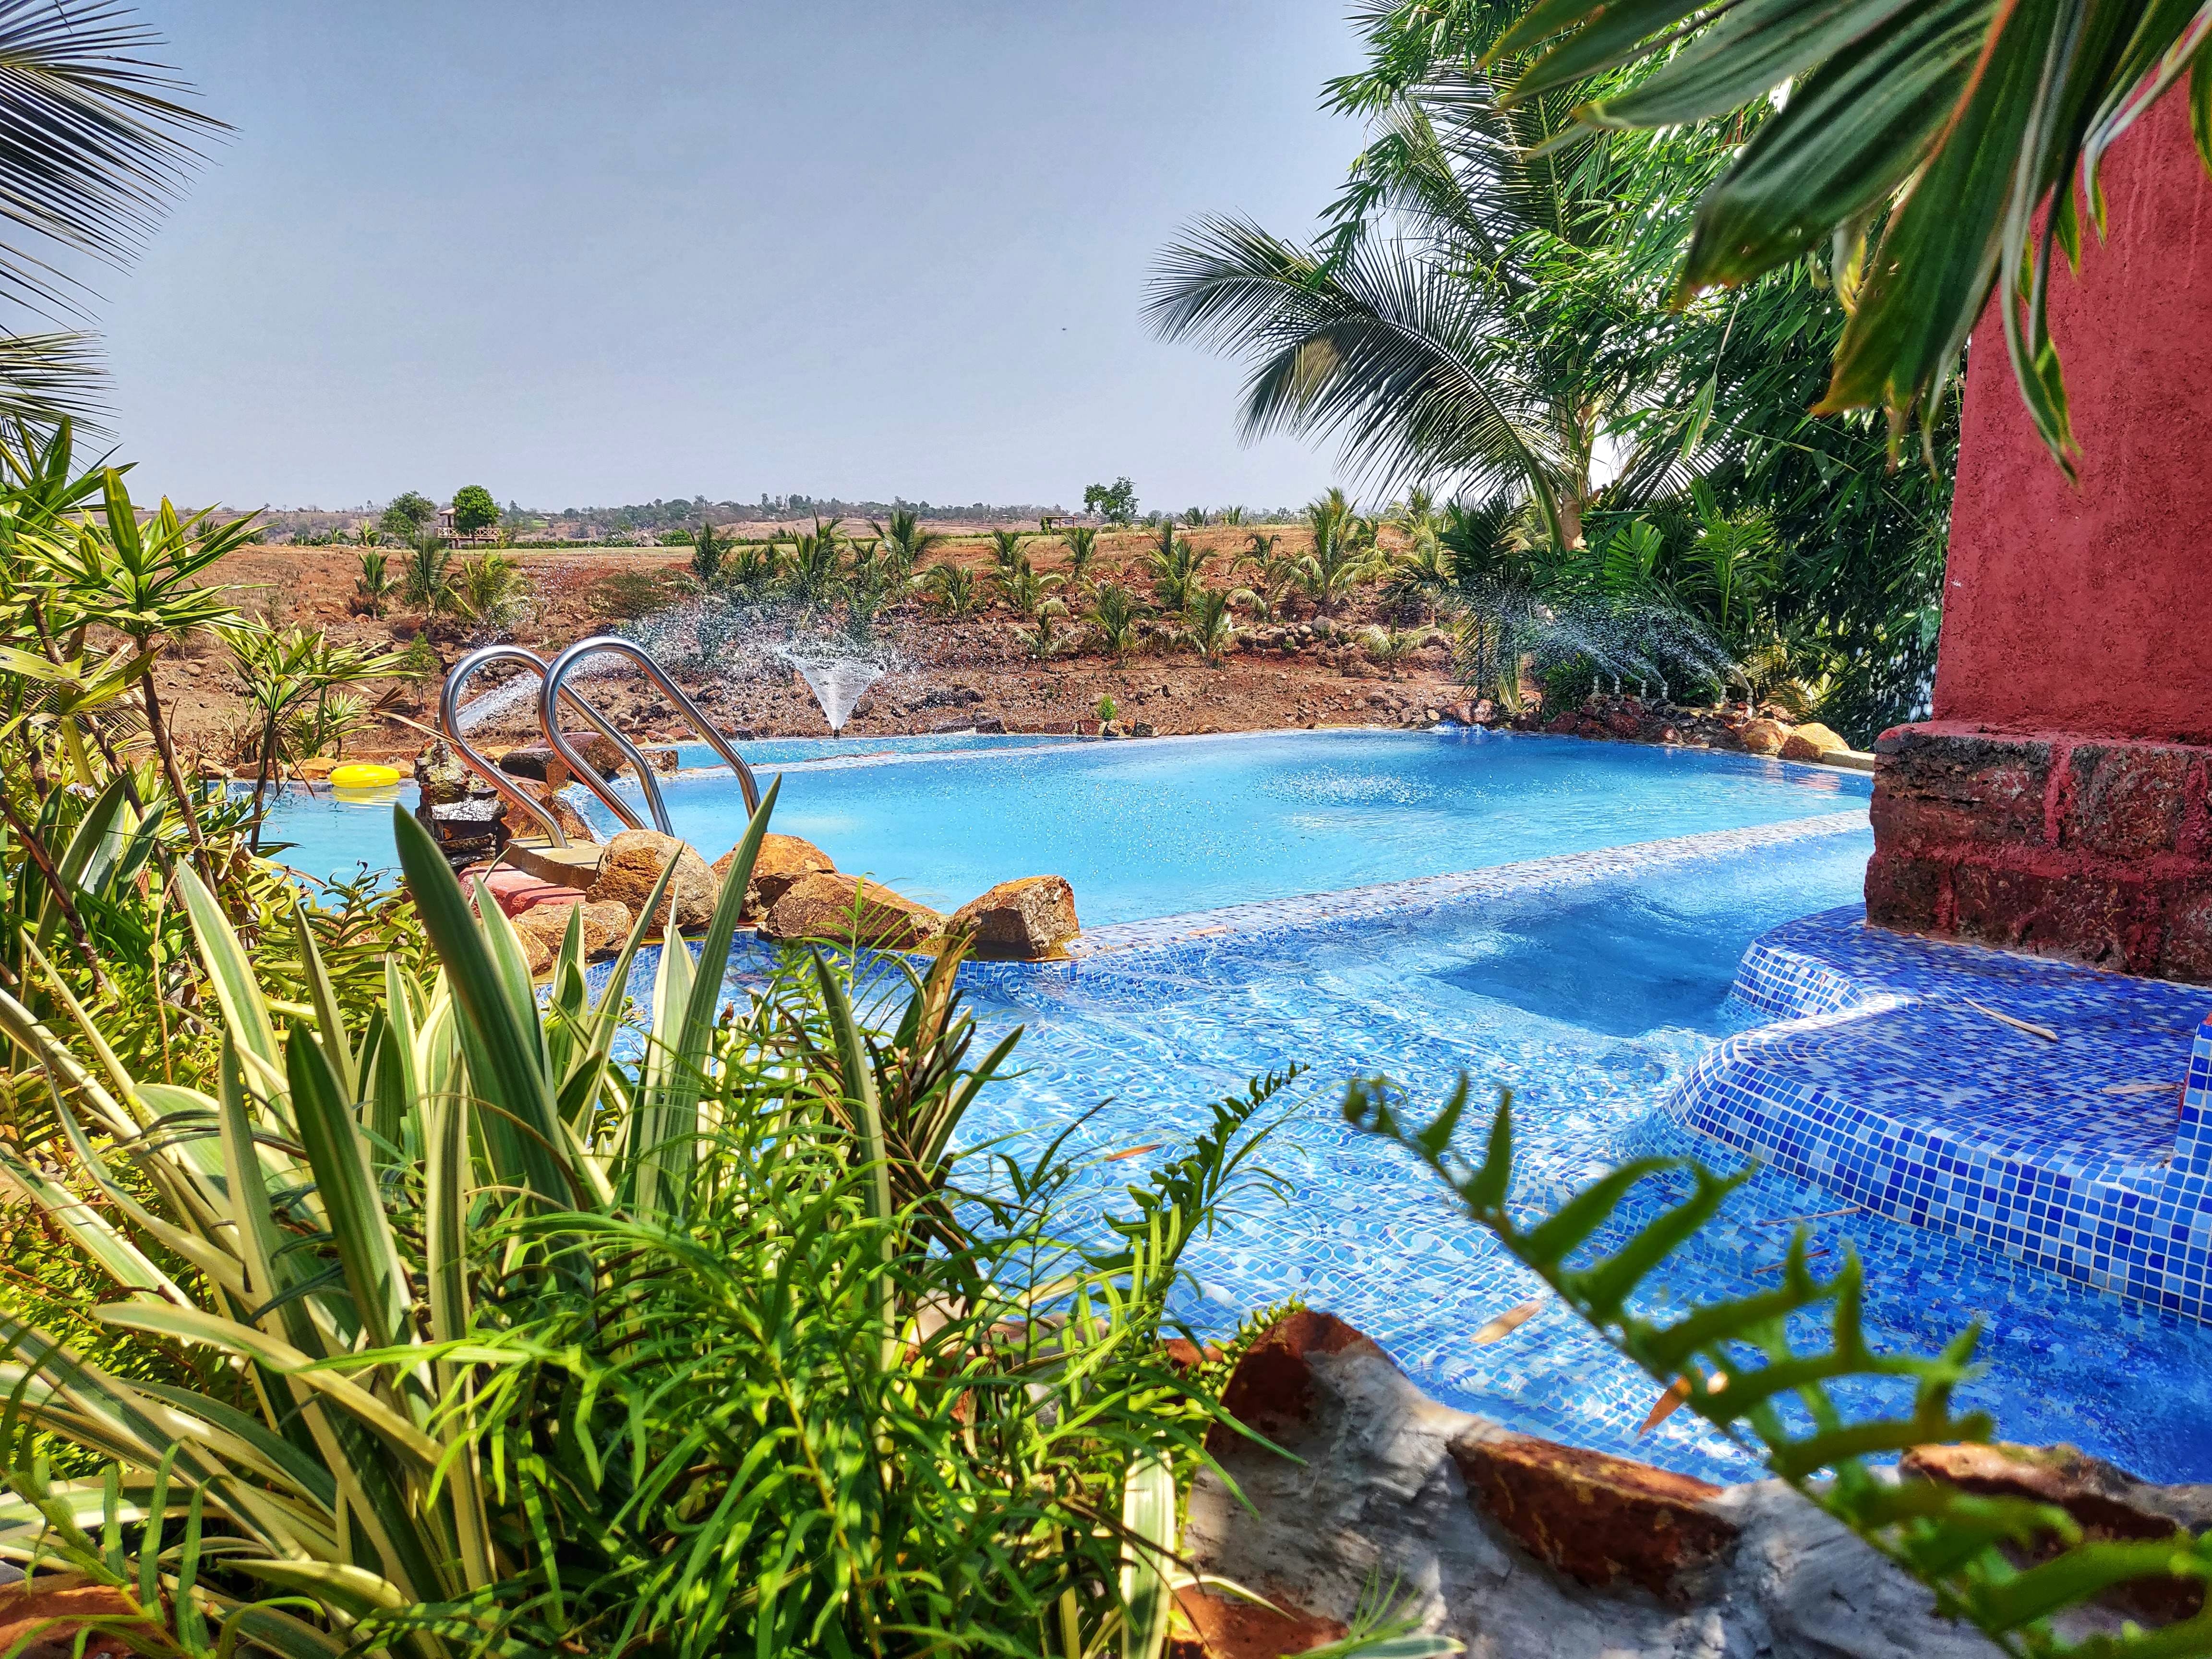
point(409, 511)
point(474, 509)
point(1115, 502)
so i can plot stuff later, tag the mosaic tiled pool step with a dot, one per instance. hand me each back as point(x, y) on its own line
point(1903, 1075)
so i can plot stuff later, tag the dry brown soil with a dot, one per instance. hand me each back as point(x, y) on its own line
point(957, 673)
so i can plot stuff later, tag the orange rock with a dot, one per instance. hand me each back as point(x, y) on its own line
point(1811, 741)
point(782, 859)
point(542, 928)
point(633, 862)
point(63, 1603)
point(1223, 1629)
point(849, 910)
point(1763, 737)
point(1595, 1517)
point(1022, 920)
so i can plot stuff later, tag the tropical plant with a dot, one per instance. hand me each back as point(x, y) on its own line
point(813, 569)
point(749, 566)
point(1082, 544)
point(1043, 640)
point(1389, 646)
point(1105, 709)
point(1944, 144)
point(1212, 621)
point(1276, 574)
point(1422, 574)
point(1006, 554)
point(100, 141)
point(284, 672)
point(375, 584)
point(1025, 588)
point(1193, 518)
point(1231, 515)
point(426, 582)
point(1759, 1370)
point(1113, 616)
point(953, 589)
point(707, 552)
point(1177, 570)
point(490, 590)
point(1343, 552)
point(905, 542)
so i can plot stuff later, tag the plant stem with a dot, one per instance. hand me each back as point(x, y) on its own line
point(36, 849)
point(160, 727)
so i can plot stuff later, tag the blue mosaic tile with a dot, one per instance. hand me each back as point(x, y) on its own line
point(2050, 1112)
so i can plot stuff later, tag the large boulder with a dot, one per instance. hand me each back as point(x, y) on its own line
point(634, 861)
point(1763, 737)
point(543, 926)
point(850, 910)
point(782, 859)
point(1020, 921)
point(1810, 742)
point(520, 822)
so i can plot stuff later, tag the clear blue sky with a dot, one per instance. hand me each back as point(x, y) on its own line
point(592, 253)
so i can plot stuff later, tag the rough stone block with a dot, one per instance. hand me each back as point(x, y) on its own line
point(2129, 800)
point(1935, 785)
point(782, 859)
point(849, 909)
point(634, 861)
point(1763, 737)
point(542, 928)
point(2079, 913)
point(1904, 891)
point(1020, 921)
point(1594, 1516)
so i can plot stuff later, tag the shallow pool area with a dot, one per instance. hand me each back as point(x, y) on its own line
point(1593, 986)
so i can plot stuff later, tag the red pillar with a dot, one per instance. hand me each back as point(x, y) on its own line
point(2057, 801)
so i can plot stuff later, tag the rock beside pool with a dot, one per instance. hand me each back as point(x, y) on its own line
point(543, 926)
point(1763, 737)
point(1811, 741)
point(850, 910)
point(520, 822)
point(634, 861)
point(1517, 1546)
point(1020, 921)
point(782, 859)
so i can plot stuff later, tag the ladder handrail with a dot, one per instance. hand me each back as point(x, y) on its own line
point(555, 687)
point(449, 726)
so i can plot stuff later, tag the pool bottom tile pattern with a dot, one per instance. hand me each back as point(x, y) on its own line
point(2048, 1112)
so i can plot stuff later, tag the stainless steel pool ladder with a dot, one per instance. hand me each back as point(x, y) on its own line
point(449, 726)
point(556, 687)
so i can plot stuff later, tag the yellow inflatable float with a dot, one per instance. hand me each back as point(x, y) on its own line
point(363, 775)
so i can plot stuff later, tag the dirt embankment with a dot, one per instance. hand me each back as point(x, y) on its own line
point(1307, 667)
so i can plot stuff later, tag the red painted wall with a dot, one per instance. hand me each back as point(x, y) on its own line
point(2089, 610)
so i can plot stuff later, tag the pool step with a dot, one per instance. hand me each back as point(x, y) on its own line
point(576, 865)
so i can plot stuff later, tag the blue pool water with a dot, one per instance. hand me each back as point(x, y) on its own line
point(1153, 829)
point(1591, 996)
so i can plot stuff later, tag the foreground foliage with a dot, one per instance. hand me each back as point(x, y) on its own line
point(518, 1329)
point(1747, 1367)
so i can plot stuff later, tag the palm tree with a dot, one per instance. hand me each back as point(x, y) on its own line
point(97, 143)
point(953, 589)
point(706, 550)
point(905, 542)
point(1412, 343)
point(141, 580)
point(1007, 551)
point(1113, 613)
point(1277, 575)
point(1024, 588)
point(375, 584)
point(1213, 625)
point(1082, 541)
point(425, 582)
point(813, 568)
point(1343, 550)
point(1176, 567)
point(1968, 133)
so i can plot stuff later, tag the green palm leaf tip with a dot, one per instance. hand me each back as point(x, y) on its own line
point(1741, 1372)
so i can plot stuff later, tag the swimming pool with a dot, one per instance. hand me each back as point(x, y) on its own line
point(1591, 985)
point(1168, 825)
